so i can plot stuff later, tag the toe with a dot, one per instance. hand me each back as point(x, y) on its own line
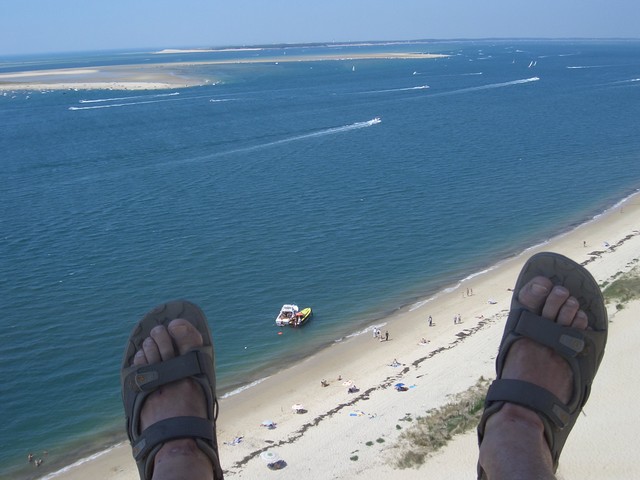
point(556, 299)
point(534, 293)
point(140, 358)
point(185, 335)
point(580, 321)
point(163, 341)
point(151, 351)
point(568, 311)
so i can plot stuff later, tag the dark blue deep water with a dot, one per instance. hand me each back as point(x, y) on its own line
point(278, 184)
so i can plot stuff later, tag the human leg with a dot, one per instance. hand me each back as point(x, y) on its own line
point(553, 343)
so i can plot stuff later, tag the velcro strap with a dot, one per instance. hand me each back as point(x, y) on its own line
point(150, 377)
point(568, 342)
point(530, 396)
point(172, 429)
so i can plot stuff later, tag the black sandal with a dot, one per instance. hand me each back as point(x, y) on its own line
point(138, 382)
point(582, 349)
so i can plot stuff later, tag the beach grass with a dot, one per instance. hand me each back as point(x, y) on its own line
point(623, 289)
point(430, 433)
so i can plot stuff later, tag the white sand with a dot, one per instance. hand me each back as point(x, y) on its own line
point(322, 442)
point(134, 77)
point(162, 75)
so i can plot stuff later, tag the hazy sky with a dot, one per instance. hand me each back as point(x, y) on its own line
point(34, 26)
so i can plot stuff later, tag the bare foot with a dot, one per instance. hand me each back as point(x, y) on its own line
point(177, 458)
point(514, 436)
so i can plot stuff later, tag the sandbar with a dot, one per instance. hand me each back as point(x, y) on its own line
point(162, 75)
point(134, 77)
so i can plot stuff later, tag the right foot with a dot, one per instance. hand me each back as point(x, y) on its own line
point(529, 361)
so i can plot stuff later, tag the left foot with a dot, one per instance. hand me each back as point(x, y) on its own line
point(180, 457)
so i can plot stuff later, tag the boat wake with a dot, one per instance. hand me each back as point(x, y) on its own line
point(320, 133)
point(624, 82)
point(579, 67)
point(253, 148)
point(127, 104)
point(488, 86)
point(297, 138)
point(115, 99)
point(406, 89)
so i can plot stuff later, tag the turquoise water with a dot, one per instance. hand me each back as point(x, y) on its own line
point(280, 185)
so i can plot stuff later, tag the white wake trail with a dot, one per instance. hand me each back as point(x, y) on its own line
point(127, 104)
point(321, 133)
point(297, 138)
point(115, 105)
point(101, 100)
point(488, 86)
point(406, 89)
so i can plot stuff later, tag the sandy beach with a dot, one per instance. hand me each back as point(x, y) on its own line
point(159, 76)
point(355, 435)
point(134, 77)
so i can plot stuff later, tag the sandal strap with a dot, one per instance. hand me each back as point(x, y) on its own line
point(171, 429)
point(143, 380)
point(532, 397)
point(566, 341)
point(150, 377)
point(572, 344)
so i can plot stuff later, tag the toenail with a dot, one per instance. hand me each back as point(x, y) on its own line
point(157, 329)
point(571, 302)
point(539, 289)
point(179, 330)
point(560, 291)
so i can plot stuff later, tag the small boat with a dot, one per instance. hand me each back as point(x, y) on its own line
point(291, 315)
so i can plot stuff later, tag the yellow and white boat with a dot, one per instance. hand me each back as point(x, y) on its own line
point(291, 315)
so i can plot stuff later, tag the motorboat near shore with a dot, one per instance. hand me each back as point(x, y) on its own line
point(291, 315)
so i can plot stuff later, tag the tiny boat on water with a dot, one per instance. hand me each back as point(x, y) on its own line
point(291, 315)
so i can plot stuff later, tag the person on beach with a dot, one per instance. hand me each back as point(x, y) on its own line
point(552, 346)
point(430, 321)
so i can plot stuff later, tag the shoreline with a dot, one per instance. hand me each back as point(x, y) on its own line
point(162, 76)
point(329, 421)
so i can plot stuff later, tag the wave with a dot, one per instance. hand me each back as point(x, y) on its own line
point(244, 387)
point(100, 100)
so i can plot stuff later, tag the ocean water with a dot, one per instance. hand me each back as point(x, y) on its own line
point(354, 187)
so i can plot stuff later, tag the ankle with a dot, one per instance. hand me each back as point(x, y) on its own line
point(182, 458)
point(514, 446)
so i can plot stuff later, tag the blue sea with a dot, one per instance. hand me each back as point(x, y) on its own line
point(355, 187)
